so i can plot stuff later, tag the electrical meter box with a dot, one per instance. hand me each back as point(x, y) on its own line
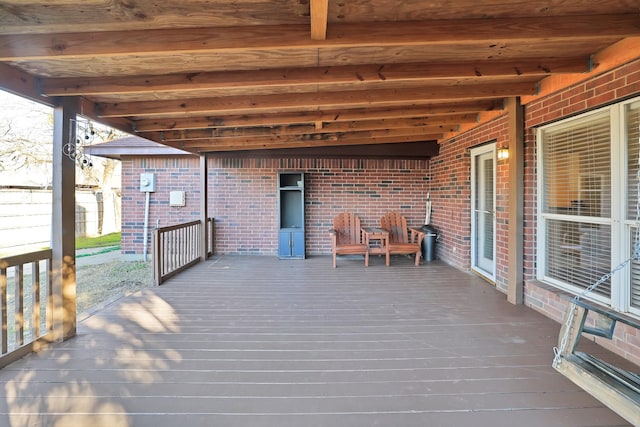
point(147, 182)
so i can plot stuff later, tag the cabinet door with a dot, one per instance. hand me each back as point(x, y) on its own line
point(298, 244)
point(284, 244)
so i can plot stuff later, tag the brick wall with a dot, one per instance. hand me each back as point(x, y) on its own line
point(606, 88)
point(243, 197)
point(451, 196)
point(172, 174)
point(451, 172)
point(451, 169)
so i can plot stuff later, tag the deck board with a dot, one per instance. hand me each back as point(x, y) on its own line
point(256, 341)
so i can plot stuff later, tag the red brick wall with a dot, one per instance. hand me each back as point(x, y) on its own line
point(243, 197)
point(172, 174)
point(604, 89)
point(451, 172)
point(451, 196)
point(451, 169)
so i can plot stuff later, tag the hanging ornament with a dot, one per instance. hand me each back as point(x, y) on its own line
point(74, 149)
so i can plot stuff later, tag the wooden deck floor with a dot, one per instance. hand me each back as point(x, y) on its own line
point(256, 341)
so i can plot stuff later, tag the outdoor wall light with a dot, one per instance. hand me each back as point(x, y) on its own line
point(503, 153)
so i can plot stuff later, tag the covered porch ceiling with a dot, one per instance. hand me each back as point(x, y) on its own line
point(217, 76)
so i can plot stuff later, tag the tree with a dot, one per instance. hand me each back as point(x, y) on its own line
point(26, 148)
point(26, 134)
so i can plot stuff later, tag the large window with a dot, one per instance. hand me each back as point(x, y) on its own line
point(588, 189)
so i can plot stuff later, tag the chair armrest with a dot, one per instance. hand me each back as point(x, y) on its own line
point(334, 238)
point(416, 235)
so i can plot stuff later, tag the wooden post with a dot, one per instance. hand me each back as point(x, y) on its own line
point(63, 222)
point(204, 235)
point(515, 112)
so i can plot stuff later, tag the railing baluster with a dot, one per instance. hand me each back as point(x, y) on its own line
point(19, 305)
point(3, 302)
point(177, 247)
point(49, 314)
point(21, 323)
point(35, 297)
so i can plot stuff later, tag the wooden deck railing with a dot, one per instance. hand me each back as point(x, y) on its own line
point(177, 247)
point(25, 301)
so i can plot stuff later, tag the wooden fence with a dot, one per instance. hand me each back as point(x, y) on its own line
point(177, 247)
point(26, 306)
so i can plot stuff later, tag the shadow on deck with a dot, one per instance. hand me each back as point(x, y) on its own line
point(256, 341)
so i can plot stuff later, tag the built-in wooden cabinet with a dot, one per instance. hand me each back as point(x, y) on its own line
point(291, 215)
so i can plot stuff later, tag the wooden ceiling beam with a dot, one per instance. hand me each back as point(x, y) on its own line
point(291, 142)
point(406, 150)
point(358, 74)
point(319, 15)
point(466, 111)
point(21, 47)
point(314, 101)
point(296, 131)
point(20, 83)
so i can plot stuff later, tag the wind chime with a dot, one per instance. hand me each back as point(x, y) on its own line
point(75, 148)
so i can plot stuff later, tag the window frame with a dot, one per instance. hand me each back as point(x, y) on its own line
point(621, 228)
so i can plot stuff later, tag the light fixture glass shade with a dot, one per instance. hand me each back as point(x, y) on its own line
point(503, 153)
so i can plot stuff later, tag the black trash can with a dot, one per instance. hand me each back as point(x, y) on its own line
point(429, 243)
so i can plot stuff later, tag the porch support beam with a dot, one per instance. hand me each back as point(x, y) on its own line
point(204, 236)
point(63, 246)
point(515, 114)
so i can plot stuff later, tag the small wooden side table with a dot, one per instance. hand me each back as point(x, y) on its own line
point(380, 234)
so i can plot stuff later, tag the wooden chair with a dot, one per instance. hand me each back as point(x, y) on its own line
point(402, 239)
point(346, 237)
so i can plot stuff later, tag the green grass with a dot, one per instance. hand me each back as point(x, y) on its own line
point(112, 239)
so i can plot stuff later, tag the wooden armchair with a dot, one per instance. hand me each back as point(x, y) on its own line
point(346, 237)
point(402, 239)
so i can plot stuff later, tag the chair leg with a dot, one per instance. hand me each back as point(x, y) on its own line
point(366, 259)
point(334, 260)
point(417, 258)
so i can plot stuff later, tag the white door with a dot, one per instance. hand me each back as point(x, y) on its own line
point(483, 218)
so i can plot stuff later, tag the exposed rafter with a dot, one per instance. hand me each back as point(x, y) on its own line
point(310, 77)
point(23, 47)
point(311, 101)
